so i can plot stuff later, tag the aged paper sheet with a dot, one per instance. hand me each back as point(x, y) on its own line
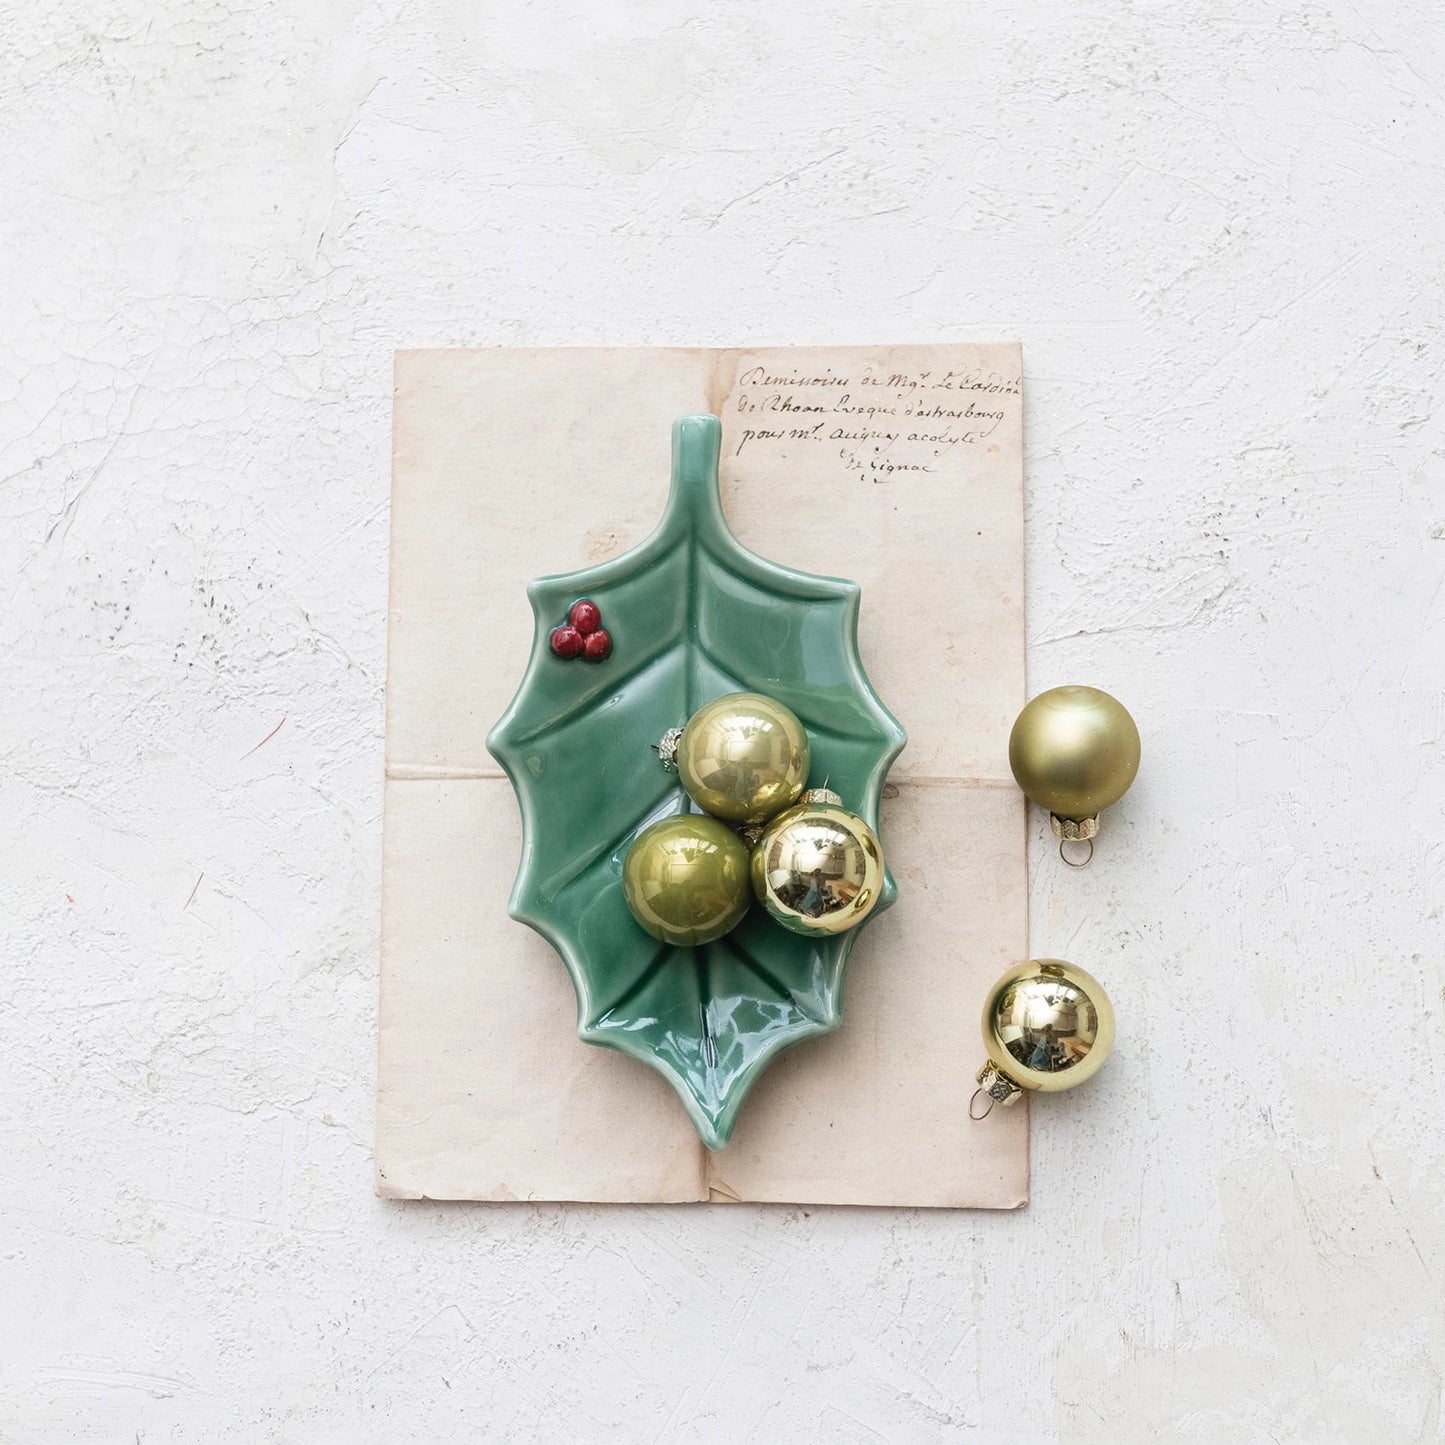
point(900, 467)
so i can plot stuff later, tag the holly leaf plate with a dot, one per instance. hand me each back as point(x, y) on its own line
point(692, 614)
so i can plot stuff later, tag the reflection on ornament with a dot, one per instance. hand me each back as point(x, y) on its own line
point(818, 868)
point(1047, 1025)
point(1074, 751)
point(742, 757)
point(685, 879)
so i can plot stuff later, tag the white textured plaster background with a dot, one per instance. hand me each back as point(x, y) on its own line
point(1217, 226)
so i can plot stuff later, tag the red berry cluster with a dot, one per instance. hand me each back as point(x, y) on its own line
point(581, 635)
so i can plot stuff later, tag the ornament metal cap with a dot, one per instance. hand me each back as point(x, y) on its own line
point(821, 795)
point(994, 1087)
point(666, 750)
point(1075, 830)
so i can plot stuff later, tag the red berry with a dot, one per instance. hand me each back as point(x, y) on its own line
point(596, 646)
point(585, 617)
point(566, 641)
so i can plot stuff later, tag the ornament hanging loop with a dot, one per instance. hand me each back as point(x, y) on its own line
point(1075, 830)
point(973, 1105)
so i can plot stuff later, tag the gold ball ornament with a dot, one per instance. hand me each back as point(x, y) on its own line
point(1047, 1025)
point(1074, 751)
point(742, 757)
point(685, 879)
point(818, 869)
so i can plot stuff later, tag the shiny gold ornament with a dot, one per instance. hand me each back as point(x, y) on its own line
point(1047, 1025)
point(1074, 751)
point(686, 879)
point(742, 757)
point(818, 868)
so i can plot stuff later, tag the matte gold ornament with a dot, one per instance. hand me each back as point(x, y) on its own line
point(1074, 751)
point(818, 868)
point(1047, 1025)
point(686, 879)
point(742, 757)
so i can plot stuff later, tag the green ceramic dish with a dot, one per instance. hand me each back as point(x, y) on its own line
point(692, 614)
